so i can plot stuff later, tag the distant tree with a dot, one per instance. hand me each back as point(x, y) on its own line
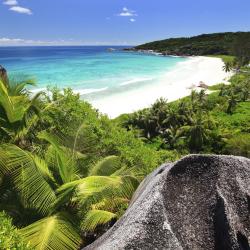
point(198, 131)
point(146, 122)
point(228, 66)
point(232, 102)
point(238, 144)
point(241, 49)
point(171, 136)
point(202, 98)
point(158, 111)
point(245, 90)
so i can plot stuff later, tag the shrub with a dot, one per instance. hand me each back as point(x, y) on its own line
point(239, 145)
point(10, 238)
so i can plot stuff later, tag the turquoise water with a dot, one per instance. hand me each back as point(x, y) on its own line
point(87, 70)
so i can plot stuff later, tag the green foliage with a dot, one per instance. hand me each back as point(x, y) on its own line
point(241, 49)
point(18, 112)
point(217, 87)
point(67, 171)
point(95, 218)
point(106, 166)
point(54, 232)
point(200, 122)
point(225, 58)
point(67, 112)
point(53, 181)
point(53, 185)
point(206, 44)
point(239, 144)
point(10, 238)
point(238, 121)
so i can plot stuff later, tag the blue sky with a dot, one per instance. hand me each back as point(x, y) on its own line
point(98, 22)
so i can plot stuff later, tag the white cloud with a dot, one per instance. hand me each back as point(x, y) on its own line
point(21, 10)
point(126, 12)
point(5, 41)
point(10, 2)
point(132, 20)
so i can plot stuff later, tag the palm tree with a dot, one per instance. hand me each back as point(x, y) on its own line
point(223, 90)
point(171, 136)
point(198, 131)
point(145, 122)
point(228, 66)
point(202, 97)
point(65, 202)
point(3, 75)
point(232, 102)
point(157, 113)
point(17, 110)
point(245, 90)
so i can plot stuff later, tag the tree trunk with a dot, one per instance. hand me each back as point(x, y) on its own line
point(4, 75)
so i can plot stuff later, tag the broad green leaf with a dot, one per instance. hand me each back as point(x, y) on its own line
point(95, 218)
point(106, 166)
point(56, 232)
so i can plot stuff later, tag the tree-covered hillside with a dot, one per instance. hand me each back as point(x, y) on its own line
point(206, 44)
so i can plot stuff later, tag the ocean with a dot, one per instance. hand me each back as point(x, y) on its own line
point(86, 69)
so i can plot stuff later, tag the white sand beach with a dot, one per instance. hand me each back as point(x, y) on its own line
point(172, 86)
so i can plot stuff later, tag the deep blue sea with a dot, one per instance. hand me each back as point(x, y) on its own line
point(86, 69)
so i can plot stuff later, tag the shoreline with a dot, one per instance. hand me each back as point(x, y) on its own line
point(173, 85)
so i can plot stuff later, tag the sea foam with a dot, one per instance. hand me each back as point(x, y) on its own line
point(136, 80)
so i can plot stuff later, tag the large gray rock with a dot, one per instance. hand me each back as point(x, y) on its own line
point(199, 202)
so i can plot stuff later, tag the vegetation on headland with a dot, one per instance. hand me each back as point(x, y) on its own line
point(67, 172)
point(229, 43)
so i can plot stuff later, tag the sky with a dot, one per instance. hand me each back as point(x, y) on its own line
point(116, 22)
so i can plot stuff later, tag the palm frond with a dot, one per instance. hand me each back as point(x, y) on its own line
point(43, 168)
point(95, 189)
point(52, 233)
point(30, 179)
point(14, 106)
point(98, 188)
point(17, 84)
point(111, 204)
point(31, 120)
point(95, 218)
point(4, 156)
point(106, 166)
point(63, 159)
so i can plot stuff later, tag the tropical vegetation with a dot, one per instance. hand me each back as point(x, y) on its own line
point(228, 43)
point(217, 122)
point(10, 237)
point(68, 172)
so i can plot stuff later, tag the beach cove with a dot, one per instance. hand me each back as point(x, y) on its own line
point(114, 82)
point(172, 85)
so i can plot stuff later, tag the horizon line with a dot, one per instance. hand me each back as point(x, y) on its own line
point(69, 45)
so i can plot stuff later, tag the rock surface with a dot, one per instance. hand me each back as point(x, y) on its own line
point(199, 202)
